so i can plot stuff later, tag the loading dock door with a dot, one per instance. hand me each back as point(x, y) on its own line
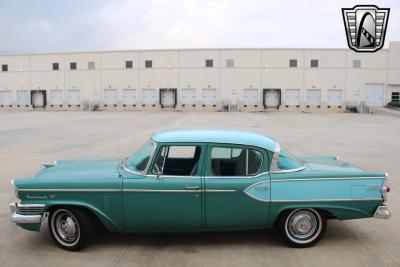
point(168, 97)
point(56, 97)
point(149, 96)
point(38, 99)
point(313, 97)
point(272, 98)
point(374, 95)
point(292, 97)
point(335, 97)
point(250, 97)
point(74, 97)
point(110, 96)
point(129, 96)
point(189, 96)
point(5, 98)
point(23, 98)
point(209, 96)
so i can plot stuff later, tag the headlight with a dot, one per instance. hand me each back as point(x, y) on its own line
point(15, 189)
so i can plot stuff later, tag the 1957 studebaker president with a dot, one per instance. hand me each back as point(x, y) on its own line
point(199, 180)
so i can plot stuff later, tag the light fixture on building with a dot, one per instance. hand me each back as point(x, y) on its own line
point(21, 70)
point(266, 66)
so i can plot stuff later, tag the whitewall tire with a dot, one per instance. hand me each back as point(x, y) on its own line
point(70, 227)
point(302, 227)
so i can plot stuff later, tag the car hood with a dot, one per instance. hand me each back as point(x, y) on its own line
point(100, 168)
point(328, 163)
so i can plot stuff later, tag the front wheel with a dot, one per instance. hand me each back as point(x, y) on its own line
point(70, 228)
point(302, 227)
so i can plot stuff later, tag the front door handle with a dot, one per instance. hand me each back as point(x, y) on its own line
point(192, 188)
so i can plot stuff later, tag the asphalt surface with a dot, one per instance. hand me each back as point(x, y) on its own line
point(369, 141)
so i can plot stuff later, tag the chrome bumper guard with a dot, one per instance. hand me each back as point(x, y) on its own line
point(382, 212)
point(27, 209)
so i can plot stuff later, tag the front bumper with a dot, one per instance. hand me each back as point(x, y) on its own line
point(22, 213)
point(382, 212)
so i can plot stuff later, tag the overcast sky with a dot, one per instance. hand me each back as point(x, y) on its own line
point(85, 25)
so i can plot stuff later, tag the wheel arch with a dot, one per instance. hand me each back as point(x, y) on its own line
point(94, 212)
point(330, 210)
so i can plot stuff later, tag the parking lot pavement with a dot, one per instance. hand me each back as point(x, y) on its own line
point(370, 141)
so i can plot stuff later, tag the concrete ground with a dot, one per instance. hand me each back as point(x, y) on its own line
point(370, 141)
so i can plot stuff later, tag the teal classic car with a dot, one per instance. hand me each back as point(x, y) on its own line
point(199, 180)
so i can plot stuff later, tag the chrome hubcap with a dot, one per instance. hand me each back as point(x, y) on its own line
point(302, 224)
point(67, 227)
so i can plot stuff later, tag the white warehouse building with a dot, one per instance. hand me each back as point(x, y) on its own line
point(201, 79)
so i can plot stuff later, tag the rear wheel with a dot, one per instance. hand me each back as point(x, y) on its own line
point(302, 227)
point(70, 227)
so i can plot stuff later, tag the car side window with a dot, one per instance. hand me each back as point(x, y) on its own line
point(229, 161)
point(177, 161)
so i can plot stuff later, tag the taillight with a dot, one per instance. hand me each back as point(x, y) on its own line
point(385, 189)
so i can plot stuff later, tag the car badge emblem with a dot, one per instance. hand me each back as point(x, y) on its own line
point(365, 27)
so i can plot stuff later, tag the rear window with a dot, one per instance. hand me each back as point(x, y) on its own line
point(287, 161)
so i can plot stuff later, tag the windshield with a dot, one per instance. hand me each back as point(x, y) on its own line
point(138, 161)
point(287, 161)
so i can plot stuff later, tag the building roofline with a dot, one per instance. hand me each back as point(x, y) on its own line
point(175, 50)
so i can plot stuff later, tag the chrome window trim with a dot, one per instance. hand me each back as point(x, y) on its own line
point(274, 163)
point(125, 167)
point(325, 179)
point(237, 177)
point(173, 176)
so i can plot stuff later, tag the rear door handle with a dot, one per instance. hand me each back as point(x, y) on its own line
point(192, 188)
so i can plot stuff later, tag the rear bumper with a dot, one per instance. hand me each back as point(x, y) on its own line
point(382, 212)
point(25, 218)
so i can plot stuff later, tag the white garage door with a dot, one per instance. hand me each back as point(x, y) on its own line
point(5, 98)
point(23, 97)
point(129, 96)
point(374, 95)
point(74, 97)
point(38, 99)
point(209, 96)
point(110, 96)
point(149, 96)
point(188, 96)
point(292, 97)
point(272, 98)
point(313, 97)
point(56, 97)
point(335, 97)
point(250, 96)
point(168, 98)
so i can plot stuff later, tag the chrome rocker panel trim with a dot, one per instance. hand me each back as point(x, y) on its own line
point(24, 219)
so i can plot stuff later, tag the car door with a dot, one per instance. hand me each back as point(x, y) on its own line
point(169, 196)
point(237, 187)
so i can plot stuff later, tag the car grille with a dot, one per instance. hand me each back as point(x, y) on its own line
point(30, 209)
